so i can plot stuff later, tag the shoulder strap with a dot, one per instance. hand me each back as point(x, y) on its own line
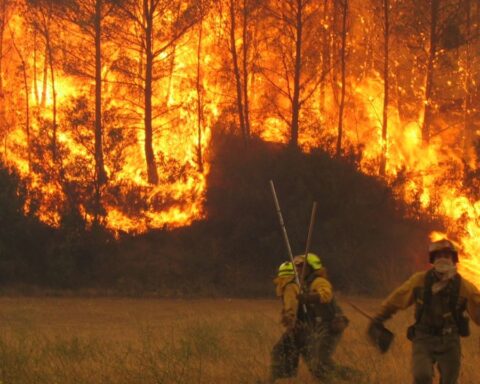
point(454, 296)
point(309, 280)
point(427, 295)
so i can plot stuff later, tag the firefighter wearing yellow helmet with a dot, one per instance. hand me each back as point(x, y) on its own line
point(441, 296)
point(287, 289)
point(314, 333)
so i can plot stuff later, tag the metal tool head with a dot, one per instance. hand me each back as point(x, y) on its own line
point(380, 336)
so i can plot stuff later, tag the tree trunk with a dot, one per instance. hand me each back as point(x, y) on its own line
point(171, 64)
point(199, 101)
point(297, 74)
point(54, 96)
point(44, 81)
point(325, 52)
point(236, 71)
point(468, 103)
point(27, 114)
point(149, 153)
point(383, 159)
point(99, 164)
point(245, 70)
point(335, 47)
point(432, 54)
point(2, 95)
point(35, 79)
point(27, 103)
point(343, 62)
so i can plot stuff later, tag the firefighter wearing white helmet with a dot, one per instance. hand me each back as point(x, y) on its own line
point(441, 297)
point(313, 334)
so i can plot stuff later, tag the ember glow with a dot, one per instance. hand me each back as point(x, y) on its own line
point(237, 65)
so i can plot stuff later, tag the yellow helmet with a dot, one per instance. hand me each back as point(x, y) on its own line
point(312, 260)
point(285, 269)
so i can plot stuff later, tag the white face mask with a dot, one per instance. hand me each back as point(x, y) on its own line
point(442, 265)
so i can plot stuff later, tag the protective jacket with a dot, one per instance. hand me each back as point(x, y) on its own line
point(287, 289)
point(440, 311)
point(317, 283)
point(320, 306)
point(314, 340)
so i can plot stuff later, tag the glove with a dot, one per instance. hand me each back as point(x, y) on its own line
point(380, 336)
point(377, 321)
point(375, 324)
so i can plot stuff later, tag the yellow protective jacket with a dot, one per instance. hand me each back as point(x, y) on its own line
point(318, 300)
point(403, 297)
point(321, 286)
point(287, 289)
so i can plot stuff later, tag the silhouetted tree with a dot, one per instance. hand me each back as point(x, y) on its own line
point(152, 33)
point(294, 72)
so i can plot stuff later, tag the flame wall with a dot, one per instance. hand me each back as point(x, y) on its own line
point(195, 89)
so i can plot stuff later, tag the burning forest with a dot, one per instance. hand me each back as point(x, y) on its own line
point(108, 108)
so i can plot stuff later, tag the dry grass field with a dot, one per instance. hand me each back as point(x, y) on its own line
point(73, 340)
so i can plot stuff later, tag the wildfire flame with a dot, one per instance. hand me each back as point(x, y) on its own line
point(177, 200)
point(188, 97)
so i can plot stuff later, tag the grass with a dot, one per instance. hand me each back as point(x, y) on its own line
point(66, 341)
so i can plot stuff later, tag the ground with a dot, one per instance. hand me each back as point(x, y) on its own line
point(109, 340)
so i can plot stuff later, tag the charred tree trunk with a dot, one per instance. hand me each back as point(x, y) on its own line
point(297, 75)
point(35, 85)
point(432, 54)
point(236, 71)
point(386, 34)
point(27, 113)
point(468, 103)
point(335, 46)
point(54, 94)
point(148, 10)
point(246, 43)
point(171, 64)
point(325, 52)
point(45, 79)
point(3, 18)
point(199, 101)
point(99, 164)
point(343, 63)
point(27, 102)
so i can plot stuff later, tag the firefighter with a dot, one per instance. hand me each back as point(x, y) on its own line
point(313, 321)
point(441, 296)
point(285, 353)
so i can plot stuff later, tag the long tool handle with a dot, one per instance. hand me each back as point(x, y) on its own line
point(309, 240)
point(361, 311)
point(284, 231)
point(285, 237)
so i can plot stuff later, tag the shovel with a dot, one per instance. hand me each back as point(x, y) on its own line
point(380, 336)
